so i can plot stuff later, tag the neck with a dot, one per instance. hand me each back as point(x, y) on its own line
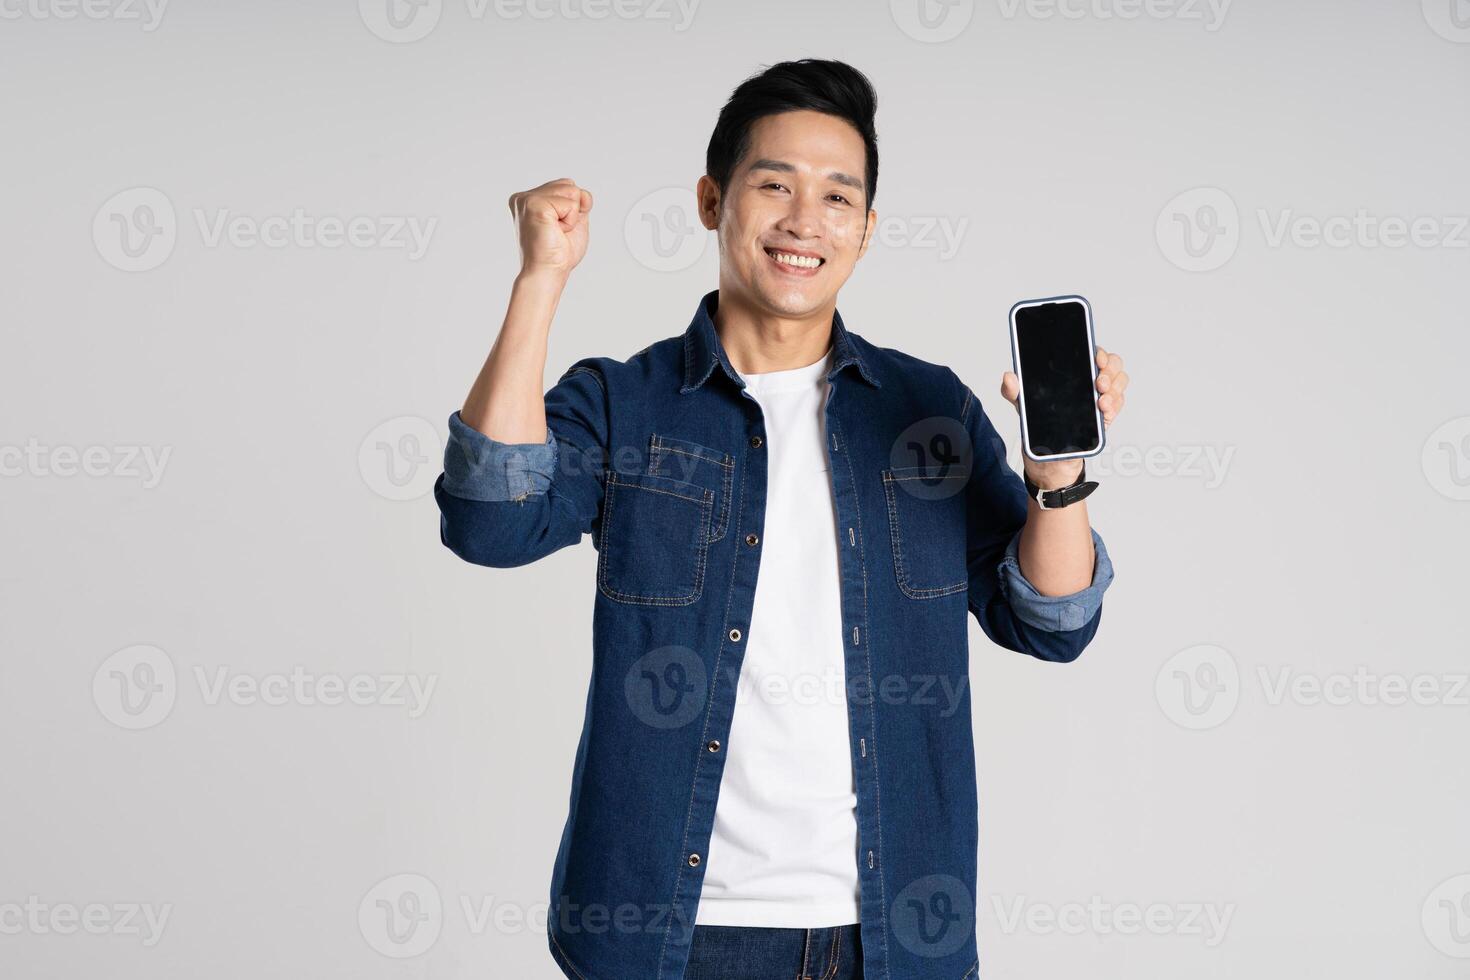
point(758, 340)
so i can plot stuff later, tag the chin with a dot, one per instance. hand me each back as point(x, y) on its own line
point(792, 300)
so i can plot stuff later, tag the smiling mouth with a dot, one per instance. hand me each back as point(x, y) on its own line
point(802, 263)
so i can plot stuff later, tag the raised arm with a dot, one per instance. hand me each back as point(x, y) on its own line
point(522, 471)
point(505, 401)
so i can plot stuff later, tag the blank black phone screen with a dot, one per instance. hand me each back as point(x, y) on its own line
point(1056, 378)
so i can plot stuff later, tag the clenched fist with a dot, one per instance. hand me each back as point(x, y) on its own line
point(551, 221)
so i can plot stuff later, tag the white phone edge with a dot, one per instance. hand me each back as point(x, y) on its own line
point(1021, 392)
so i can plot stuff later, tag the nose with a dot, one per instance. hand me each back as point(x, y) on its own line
point(803, 217)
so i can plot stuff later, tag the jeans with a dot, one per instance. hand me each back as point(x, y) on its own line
point(755, 953)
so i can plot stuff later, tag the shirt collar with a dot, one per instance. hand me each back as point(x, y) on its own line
point(703, 351)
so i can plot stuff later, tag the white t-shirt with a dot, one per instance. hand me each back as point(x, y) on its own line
point(784, 847)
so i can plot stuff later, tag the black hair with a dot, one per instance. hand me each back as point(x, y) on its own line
point(832, 87)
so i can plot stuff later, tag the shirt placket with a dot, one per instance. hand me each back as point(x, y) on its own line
point(734, 629)
point(858, 664)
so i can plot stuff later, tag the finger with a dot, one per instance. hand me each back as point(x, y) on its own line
point(1102, 357)
point(1105, 382)
point(564, 198)
point(1115, 364)
point(586, 201)
point(1120, 382)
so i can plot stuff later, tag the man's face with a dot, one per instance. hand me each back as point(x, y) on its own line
point(794, 218)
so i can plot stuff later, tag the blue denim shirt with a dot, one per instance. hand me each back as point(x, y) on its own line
point(662, 460)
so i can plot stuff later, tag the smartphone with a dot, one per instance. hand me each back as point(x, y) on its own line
point(1053, 351)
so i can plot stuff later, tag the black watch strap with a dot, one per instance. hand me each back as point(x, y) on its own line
point(1062, 496)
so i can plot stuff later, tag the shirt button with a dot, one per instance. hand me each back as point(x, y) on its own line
point(714, 745)
point(694, 860)
point(752, 540)
point(755, 442)
point(734, 636)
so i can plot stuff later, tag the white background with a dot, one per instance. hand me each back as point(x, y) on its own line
point(1164, 768)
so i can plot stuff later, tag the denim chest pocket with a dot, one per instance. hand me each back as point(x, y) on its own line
point(655, 539)
point(701, 466)
point(926, 523)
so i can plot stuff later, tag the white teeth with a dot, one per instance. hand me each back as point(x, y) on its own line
point(800, 261)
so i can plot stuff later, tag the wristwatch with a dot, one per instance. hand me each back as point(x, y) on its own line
point(1062, 496)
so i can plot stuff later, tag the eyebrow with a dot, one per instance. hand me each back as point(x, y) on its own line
point(786, 168)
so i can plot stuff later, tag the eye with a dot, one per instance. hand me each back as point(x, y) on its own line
point(841, 198)
point(771, 184)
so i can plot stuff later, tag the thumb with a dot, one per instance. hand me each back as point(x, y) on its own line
point(1010, 388)
point(578, 212)
point(568, 211)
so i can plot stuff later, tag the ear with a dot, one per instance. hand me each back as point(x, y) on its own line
point(707, 198)
point(868, 232)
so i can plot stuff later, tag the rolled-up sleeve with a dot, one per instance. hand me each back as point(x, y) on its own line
point(477, 467)
point(1061, 613)
point(1009, 609)
point(507, 504)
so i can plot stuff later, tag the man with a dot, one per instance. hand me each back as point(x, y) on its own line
point(776, 503)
